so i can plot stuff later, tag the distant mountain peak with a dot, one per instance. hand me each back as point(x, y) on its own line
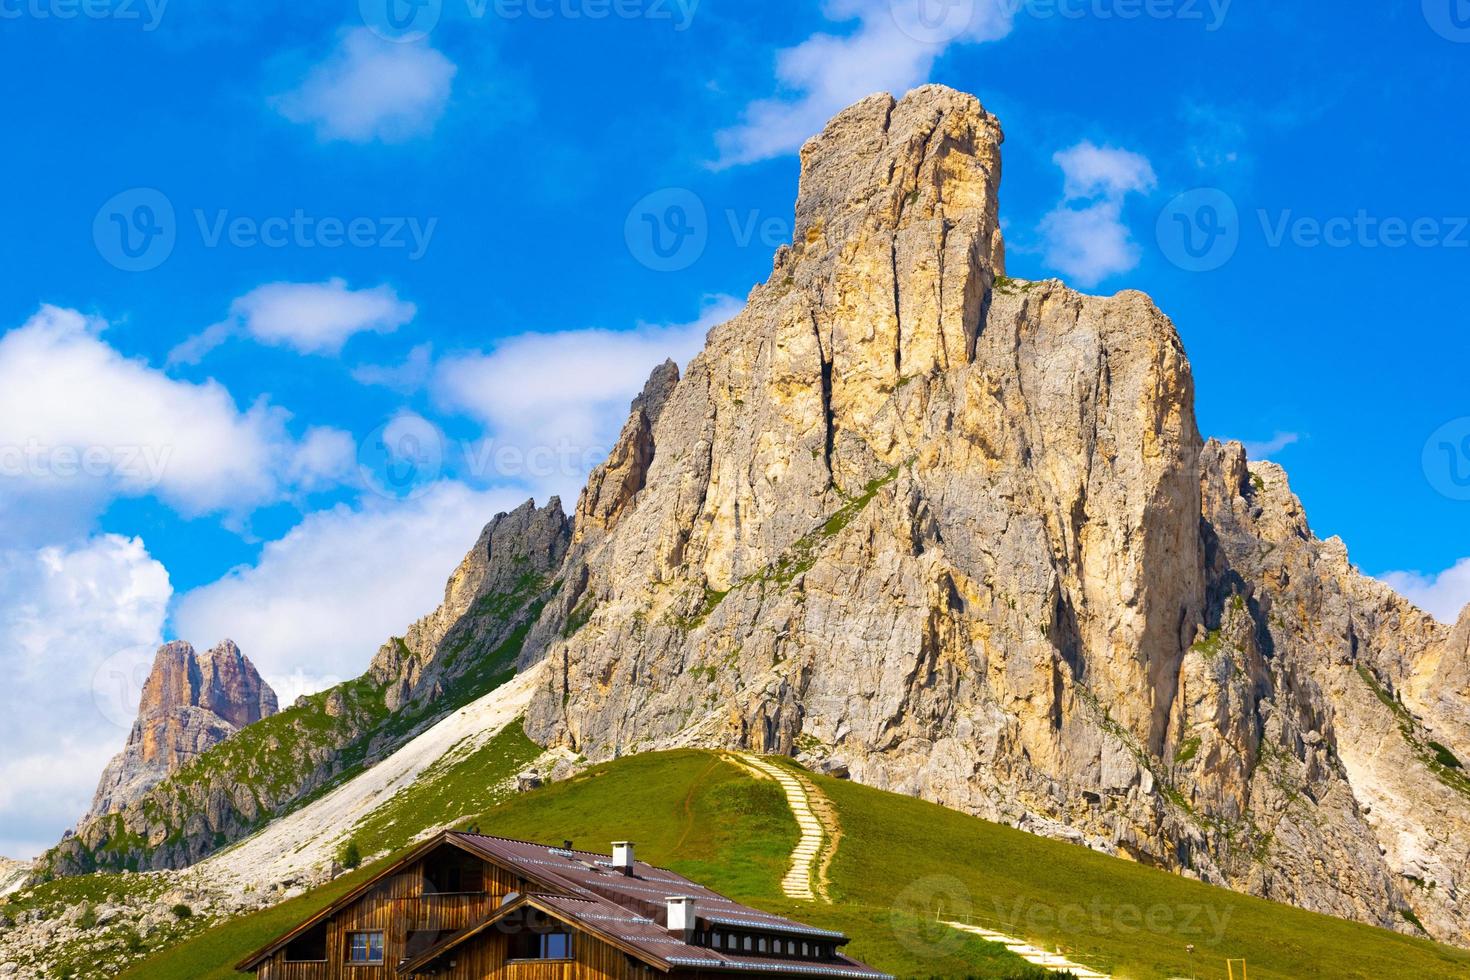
point(190, 703)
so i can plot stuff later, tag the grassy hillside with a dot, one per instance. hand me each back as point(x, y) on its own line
point(901, 860)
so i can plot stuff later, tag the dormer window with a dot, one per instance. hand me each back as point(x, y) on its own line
point(449, 871)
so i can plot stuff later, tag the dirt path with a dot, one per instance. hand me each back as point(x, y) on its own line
point(1031, 954)
point(811, 860)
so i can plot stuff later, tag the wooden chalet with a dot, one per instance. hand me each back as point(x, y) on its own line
point(468, 906)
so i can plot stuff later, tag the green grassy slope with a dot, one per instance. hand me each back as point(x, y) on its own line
point(900, 860)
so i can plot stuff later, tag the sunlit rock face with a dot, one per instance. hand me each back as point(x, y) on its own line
point(961, 532)
point(191, 702)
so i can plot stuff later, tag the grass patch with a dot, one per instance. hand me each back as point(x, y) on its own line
point(1444, 756)
point(212, 954)
point(1007, 286)
point(460, 783)
point(1210, 646)
point(902, 860)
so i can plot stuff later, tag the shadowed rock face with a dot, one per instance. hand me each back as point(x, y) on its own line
point(961, 533)
point(190, 704)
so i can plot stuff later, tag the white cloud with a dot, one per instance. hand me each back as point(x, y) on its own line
point(1444, 595)
point(1096, 171)
point(408, 376)
point(893, 48)
point(324, 597)
point(1270, 447)
point(570, 388)
point(308, 317)
point(1085, 237)
point(78, 627)
point(80, 423)
point(370, 89)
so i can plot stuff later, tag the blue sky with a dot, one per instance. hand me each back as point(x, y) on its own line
point(296, 299)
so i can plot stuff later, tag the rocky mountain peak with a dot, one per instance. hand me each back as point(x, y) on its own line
point(961, 533)
point(190, 703)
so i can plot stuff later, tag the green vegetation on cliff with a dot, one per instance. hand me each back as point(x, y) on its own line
point(287, 760)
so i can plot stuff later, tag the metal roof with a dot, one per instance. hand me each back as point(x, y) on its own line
point(631, 911)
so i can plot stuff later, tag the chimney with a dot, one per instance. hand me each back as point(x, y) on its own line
point(622, 856)
point(681, 917)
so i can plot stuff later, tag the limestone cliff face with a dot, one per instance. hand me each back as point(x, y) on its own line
point(190, 704)
point(961, 532)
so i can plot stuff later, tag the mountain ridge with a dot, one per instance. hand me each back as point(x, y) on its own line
point(958, 534)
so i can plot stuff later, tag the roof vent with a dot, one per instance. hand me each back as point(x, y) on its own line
point(622, 856)
point(681, 917)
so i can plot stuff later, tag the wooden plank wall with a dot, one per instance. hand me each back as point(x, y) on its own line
point(592, 959)
point(396, 907)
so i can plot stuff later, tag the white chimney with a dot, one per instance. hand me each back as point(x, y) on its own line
point(622, 856)
point(681, 916)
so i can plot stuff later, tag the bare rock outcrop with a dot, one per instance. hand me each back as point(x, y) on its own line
point(962, 533)
point(190, 703)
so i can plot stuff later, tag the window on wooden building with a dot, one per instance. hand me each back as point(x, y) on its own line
point(553, 945)
point(450, 871)
point(364, 947)
point(309, 947)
